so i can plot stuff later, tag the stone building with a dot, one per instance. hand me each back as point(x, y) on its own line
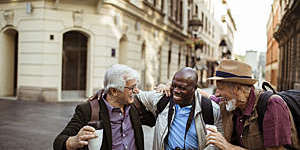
point(272, 58)
point(58, 50)
point(288, 36)
point(217, 35)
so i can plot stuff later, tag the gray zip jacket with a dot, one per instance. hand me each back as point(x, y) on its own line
point(151, 98)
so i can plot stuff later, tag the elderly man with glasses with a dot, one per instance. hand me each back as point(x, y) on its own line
point(121, 124)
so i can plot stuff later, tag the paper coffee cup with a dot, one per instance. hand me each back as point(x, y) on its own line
point(210, 127)
point(95, 143)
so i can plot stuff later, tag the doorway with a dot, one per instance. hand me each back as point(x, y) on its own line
point(9, 62)
point(74, 64)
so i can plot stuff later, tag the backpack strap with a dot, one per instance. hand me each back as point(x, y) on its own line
point(161, 105)
point(206, 107)
point(95, 108)
point(262, 107)
point(94, 103)
point(207, 110)
point(266, 85)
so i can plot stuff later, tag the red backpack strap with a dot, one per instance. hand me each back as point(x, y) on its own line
point(95, 108)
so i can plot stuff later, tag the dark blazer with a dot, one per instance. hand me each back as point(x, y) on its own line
point(83, 115)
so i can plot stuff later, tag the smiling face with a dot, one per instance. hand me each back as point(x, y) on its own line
point(183, 87)
point(231, 91)
point(126, 97)
point(226, 92)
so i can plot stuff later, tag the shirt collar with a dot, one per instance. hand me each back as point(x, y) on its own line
point(111, 108)
point(177, 107)
point(108, 106)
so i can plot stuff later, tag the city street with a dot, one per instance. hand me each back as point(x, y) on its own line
point(55, 54)
point(33, 125)
point(28, 125)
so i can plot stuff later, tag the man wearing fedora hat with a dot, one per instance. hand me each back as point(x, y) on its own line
point(239, 113)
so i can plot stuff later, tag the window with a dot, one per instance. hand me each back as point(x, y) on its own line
point(169, 59)
point(196, 10)
point(180, 12)
point(170, 7)
point(176, 11)
point(213, 32)
point(179, 57)
point(205, 24)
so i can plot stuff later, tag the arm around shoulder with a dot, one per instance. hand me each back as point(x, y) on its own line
point(149, 99)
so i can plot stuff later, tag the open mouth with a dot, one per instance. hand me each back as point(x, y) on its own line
point(177, 96)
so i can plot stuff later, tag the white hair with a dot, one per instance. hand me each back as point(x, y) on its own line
point(117, 76)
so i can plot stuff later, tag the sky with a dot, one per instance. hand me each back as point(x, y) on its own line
point(251, 17)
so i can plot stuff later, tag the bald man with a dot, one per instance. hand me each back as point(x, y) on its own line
point(180, 124)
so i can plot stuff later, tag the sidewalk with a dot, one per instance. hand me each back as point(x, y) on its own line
point(28, 125)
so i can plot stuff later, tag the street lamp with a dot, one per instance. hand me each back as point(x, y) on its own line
point(195, 23)
point(224, 51)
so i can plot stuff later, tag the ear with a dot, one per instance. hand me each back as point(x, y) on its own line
point(236, 89)
point(113, 91)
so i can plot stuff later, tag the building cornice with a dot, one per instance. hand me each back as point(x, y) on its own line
point(289, 19)
point(139, 14)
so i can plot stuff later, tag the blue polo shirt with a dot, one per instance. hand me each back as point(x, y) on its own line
point(177, 130)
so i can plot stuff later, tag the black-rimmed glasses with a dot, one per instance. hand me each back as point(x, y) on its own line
point(130, 88)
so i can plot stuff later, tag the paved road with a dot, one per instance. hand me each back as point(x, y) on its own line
point(27, 125)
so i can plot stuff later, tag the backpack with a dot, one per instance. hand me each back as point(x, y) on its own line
point(150, 119)
point(291, 97)
point(147, 117)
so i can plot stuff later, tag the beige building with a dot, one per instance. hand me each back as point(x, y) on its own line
point(58, 50)
point(272, 59)
point(217, 34)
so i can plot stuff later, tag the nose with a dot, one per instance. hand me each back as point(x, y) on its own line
point(176, 90)
point(135, 90)
point(217, 93)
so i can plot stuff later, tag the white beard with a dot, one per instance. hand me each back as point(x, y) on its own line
point(231, 105)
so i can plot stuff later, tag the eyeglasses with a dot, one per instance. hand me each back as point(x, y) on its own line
point(130, 88)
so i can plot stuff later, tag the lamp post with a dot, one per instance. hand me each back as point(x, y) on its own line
point(223, 46)
point(195, 23)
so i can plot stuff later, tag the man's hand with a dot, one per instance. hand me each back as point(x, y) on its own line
point(203, 93)
point(81, 139)
point(217, 139)
point(163, 88)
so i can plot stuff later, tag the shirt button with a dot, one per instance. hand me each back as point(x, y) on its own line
point(241, 120)
point(123, 135)
point(126, 147)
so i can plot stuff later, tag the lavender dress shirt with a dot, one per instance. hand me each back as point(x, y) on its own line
point(121, 128)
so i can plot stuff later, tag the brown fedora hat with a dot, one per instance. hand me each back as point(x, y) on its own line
point(234, 71)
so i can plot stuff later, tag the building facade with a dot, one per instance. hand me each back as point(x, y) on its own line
point(288, 36)
point(58, 50)
point(272, 58)
point(218, 27)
